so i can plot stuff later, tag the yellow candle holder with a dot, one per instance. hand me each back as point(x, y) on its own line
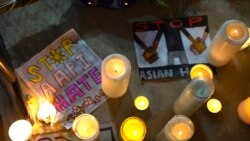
point(214, 105)
point(141, 102)
point(201, 70)
point(133, 129)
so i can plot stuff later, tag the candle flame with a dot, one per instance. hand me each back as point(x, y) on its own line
point(46, 112)
point(116, 68)
point(235, 32)
point(180, 133)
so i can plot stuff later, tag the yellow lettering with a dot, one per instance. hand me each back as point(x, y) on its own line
point(44, 61)
point(34, 71)
point(67, 45)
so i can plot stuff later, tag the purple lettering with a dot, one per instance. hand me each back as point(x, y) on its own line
point(60, 103)
point(72, 91)
point(82, 80)
point(95, 75)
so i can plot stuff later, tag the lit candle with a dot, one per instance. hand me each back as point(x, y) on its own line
point(244, 111)
point(201, 70)
point(214, 105)
point(178, 128)
point(227, 41)
point(133, 129)
point(116, 70)
point(141, 103)
point(86, 127)
point(46, 112)
point(20, 130)
point(197, 92)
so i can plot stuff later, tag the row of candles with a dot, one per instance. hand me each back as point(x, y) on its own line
point(116, 70)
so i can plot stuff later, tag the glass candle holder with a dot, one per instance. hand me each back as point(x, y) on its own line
point(214, 105)
point(133, 129)
point(116, 70)
point(196, 93)
point(227, 41)
point(178, 128)
point(86, 127)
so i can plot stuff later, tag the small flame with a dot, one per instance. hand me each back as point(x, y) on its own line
point(46, 112)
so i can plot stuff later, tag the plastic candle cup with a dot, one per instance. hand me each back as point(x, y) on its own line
point(141, 102)
point(201, 70)
point(214, 105)
point(227, 42)
point(116, 70)
point(86, 127)
point(178, 128)
point(133, 129)
point(244, 111)
point(20, 130)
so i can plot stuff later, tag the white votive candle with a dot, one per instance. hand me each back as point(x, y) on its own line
point(227, 41)
point(86, 127)
point(197, 92)
point(141, 103)
point(116, 70)
point(244, 110)
point(178, 128)
point(20, 130)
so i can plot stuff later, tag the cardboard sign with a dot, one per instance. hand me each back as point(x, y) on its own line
point(67, 73)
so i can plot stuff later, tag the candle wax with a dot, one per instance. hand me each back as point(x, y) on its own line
point(133, 129)
point(201, 70)
point(181, 131)
point(86, 127)
point(178, 128)
point(235, 32)
point(115, 68)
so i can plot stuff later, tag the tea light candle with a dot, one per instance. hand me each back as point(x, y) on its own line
point(214, 105)
point(141, 102)
point(116, 70)
point(197, 92)
point(20, 130)
point(244, 111)
point(178, 128)
point(227, 41)
point(86, 127)
point(133, 129)
point(201, 70)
